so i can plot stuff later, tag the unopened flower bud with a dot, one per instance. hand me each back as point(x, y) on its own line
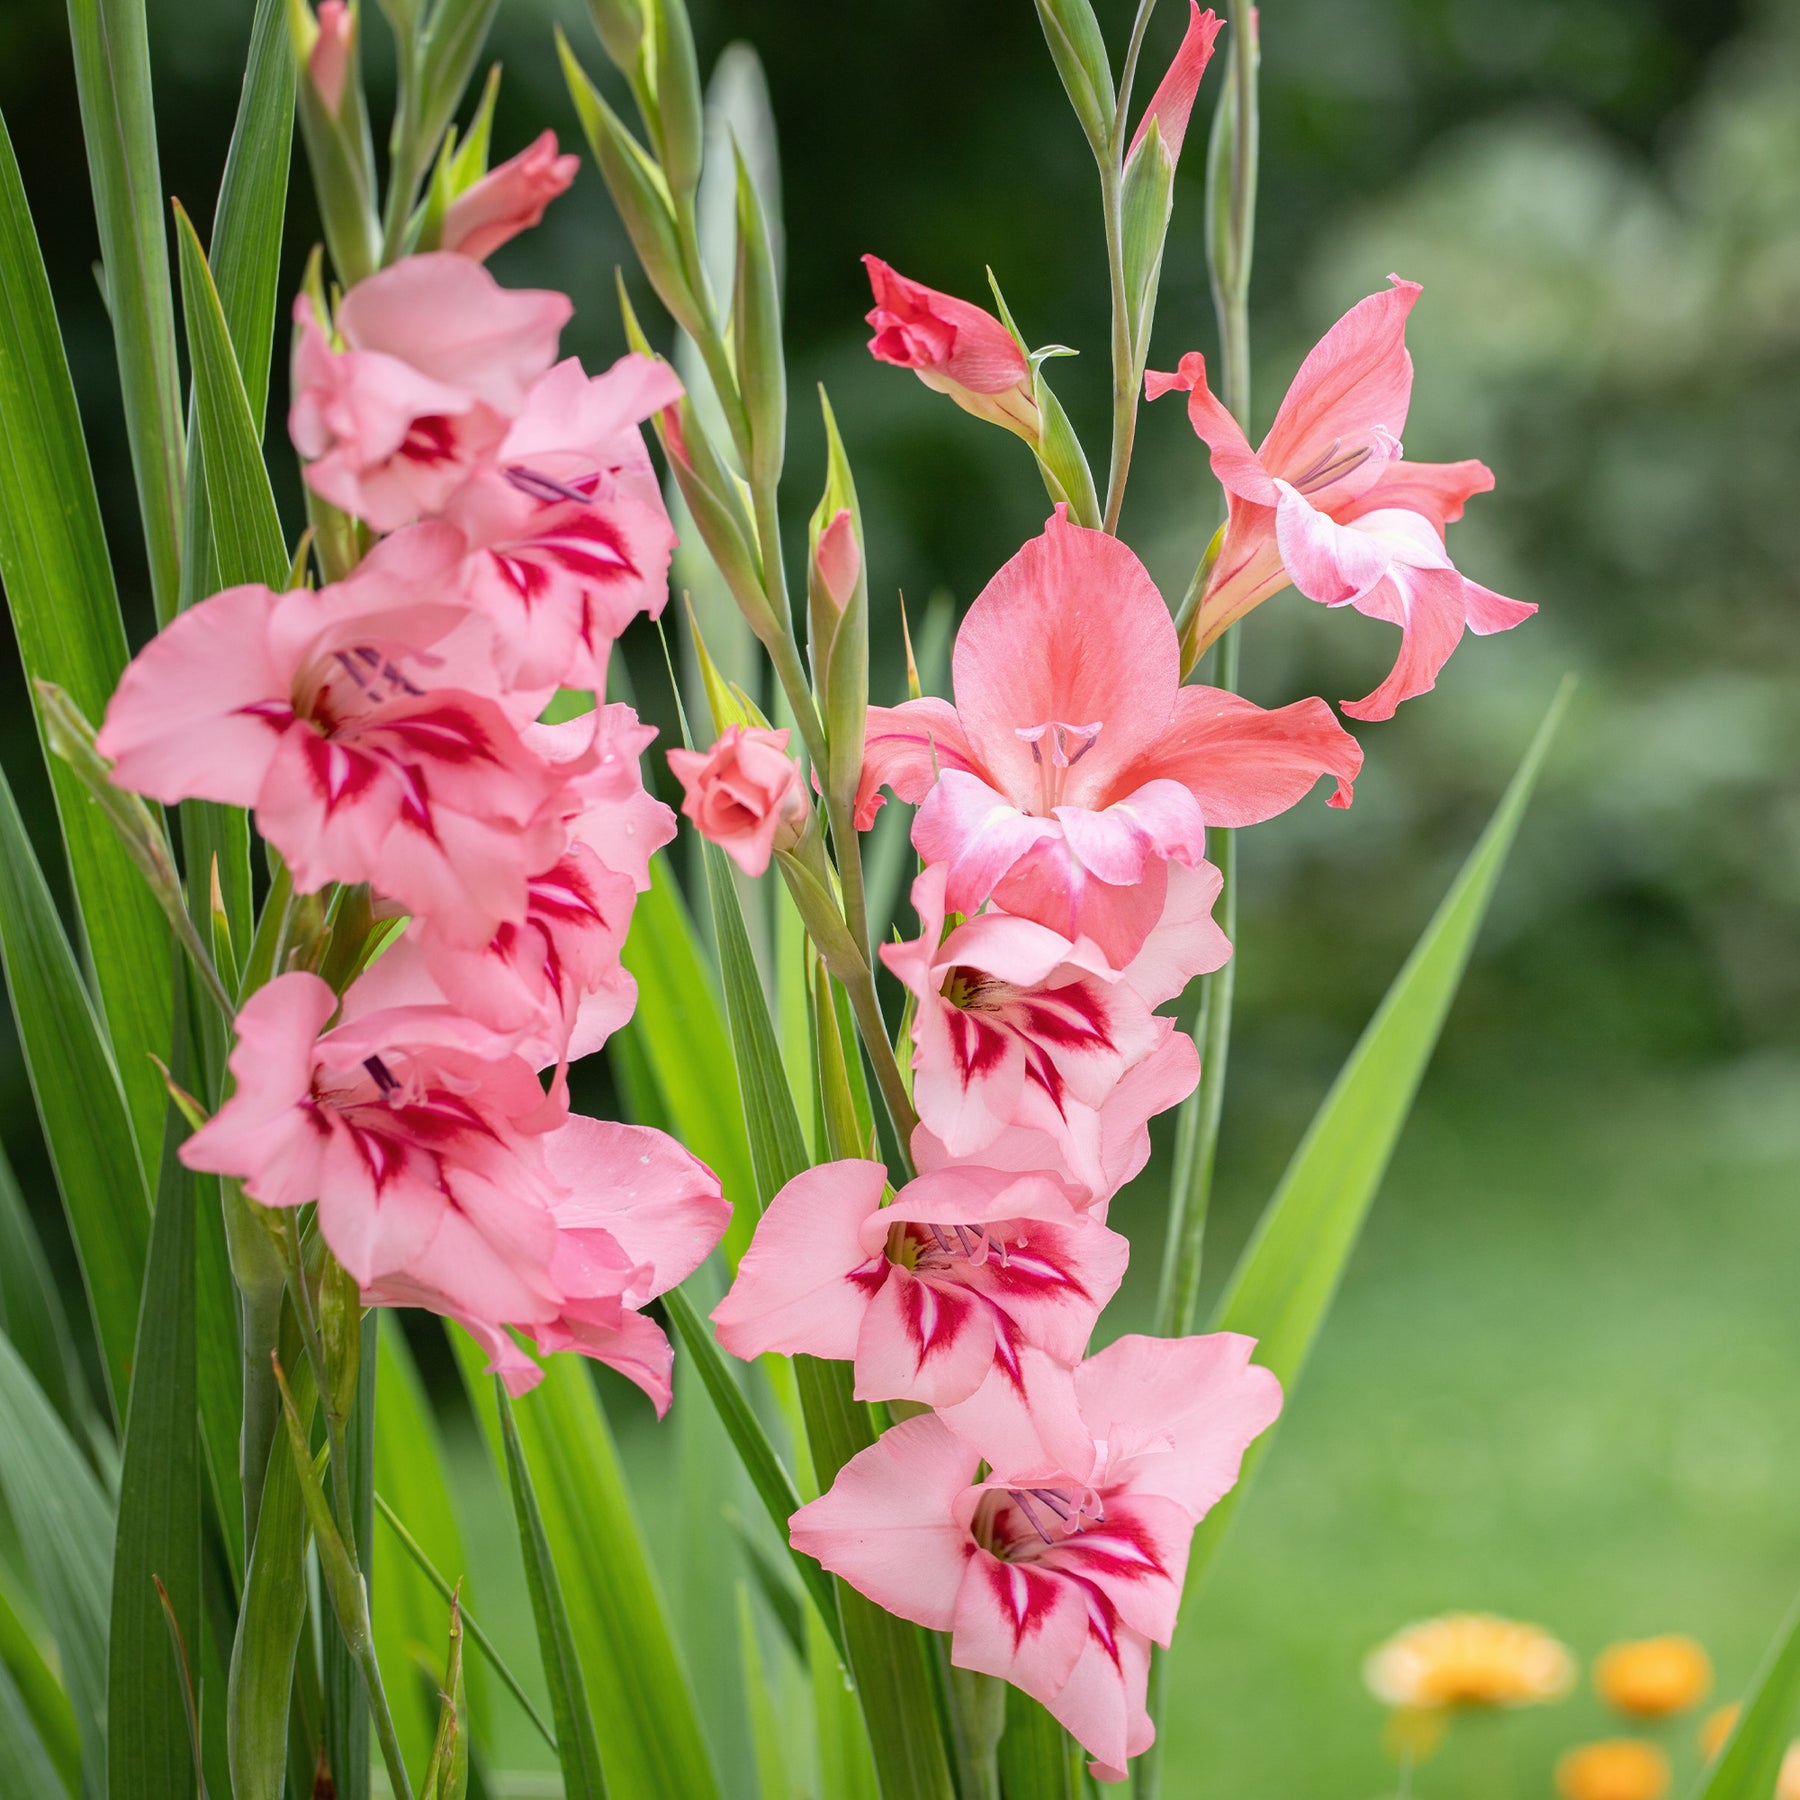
point(838, 560)
point(328, 62)
point(744, 794)
point(1172, 104)
point(507, 200)
point(954, 347)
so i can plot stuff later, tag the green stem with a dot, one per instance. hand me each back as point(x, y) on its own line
point(1230, 248)
point(1124, 424)
point(888, 1078)
point(306, 1312)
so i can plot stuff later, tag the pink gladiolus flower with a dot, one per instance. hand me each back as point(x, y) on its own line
point(328, 62)
point(954, 347)
point(1059, 1569)
point(1172, 105)
point(568, 536)
point(507, 200)
point(437, 358)
point(446, 1178)
point(932, 1296)
point(1017, 1026)
point(325, 713)
point(744, 794)
point(1323, 502)
point(1066, 780)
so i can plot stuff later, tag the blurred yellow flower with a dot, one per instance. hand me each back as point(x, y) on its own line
point(1653, 1677)
point(1718, 1728)
point(1787, 1783)
point(1615, 1769)
point(1469, 1659)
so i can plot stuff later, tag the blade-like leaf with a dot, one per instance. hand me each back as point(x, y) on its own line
point(577, 1751)
point(1751, 1760)
point(59, 586)
point(774, 1486)
point(25, 1765)
point(246, 529)
point(112, 76)
point(409, 1611)
point(65, 1528)
point(347, 1722)
point(79, 1100)
point(31, 1311)
point(1286, 1278)
point(772, 1781)
point(620, 1625)
point(149, 1752)
point(681, 1028)
point(40, 1693)
point(886, 1653)
point(1038, 1759)
point(269, 1621)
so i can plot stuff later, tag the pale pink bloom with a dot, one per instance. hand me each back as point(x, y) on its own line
point(446, 1178)
point(328, 62)
point(1330, 475)
point(931, 1296)
point(1060, 1568)
point(1172, 105)
point(954, 347)
point(607, 807)
point(1017, 1025)
point(507, 200)
point(437, 358)
point(568, 536)
point(1074, 766)
point(838, 558)
point(744, 794)
point(324, 713)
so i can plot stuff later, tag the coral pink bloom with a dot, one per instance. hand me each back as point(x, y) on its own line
point(1059, 1569)
point(446, 1179)
point(437, 358)
point(1065, 780)
point(507, 200)
point(930, 1296)
point(328, 62)
point(568, 536)
point(1015, 1025)
point(607, 806)
point(1172, 105)
point(1315, 504)
point(954, 347)
point(322, 711)
point(744, 794)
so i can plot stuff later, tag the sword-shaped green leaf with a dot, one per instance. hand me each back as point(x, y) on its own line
point(1285, 1280)
point(59, 586)
point(79, 1101)
point(65, 1527)
point(1751, 1760)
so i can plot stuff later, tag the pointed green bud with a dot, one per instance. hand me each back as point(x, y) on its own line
point(1148, 202)
point(680, 116)
point(620, 27)
point(638, 191)
point(448, 54)
point(756, 334)
point(334, 125)
point(1061, 460)
point(1079, 52)
point(343, 1582)
point(837, 593)
point(447, 1774)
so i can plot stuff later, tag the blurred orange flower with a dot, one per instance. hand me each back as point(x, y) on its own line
point(1616, 1769)
point(1653, 1677)
point(1718, 1728)
point(1469, 1659)
point(1787, 1783)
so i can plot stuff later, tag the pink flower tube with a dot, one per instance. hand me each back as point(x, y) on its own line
point(508, 199)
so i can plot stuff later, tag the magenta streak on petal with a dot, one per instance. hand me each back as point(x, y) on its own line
point(430, 440)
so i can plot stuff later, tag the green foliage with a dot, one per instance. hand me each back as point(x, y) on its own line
point(1752, 1757)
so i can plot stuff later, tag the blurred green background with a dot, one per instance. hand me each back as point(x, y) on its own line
point(1561, 1381)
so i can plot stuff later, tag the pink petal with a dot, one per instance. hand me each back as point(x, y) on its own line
point(1186, 940)
point(794, 1290)
point(1331, 563)
point(1239, 469)
point(887, 1527)
point(1102, 652)
point(1019, 1621)
point(922, 1340)
point(1137, 1557)
point(1101, 1705)
point(918, 327)
point(1437, 490)
point(905, 748)
point(978, 833)
point(1490, 612)
point(508, 199)
point(1245, 764)
point(1352, 392)
point(1173, 102)
point(1026, 1421)
point(1052, 885)
point(201, 709)
point(636, 1347)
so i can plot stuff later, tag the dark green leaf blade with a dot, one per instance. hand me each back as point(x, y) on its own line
point(1285, 1280)
point(149, 1752)
point(59, 585)
point(78, 1098)
point(31, 1310)
point(577, 1751)
point(25, 1765)
point(112, 75)
point(65, 1527)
